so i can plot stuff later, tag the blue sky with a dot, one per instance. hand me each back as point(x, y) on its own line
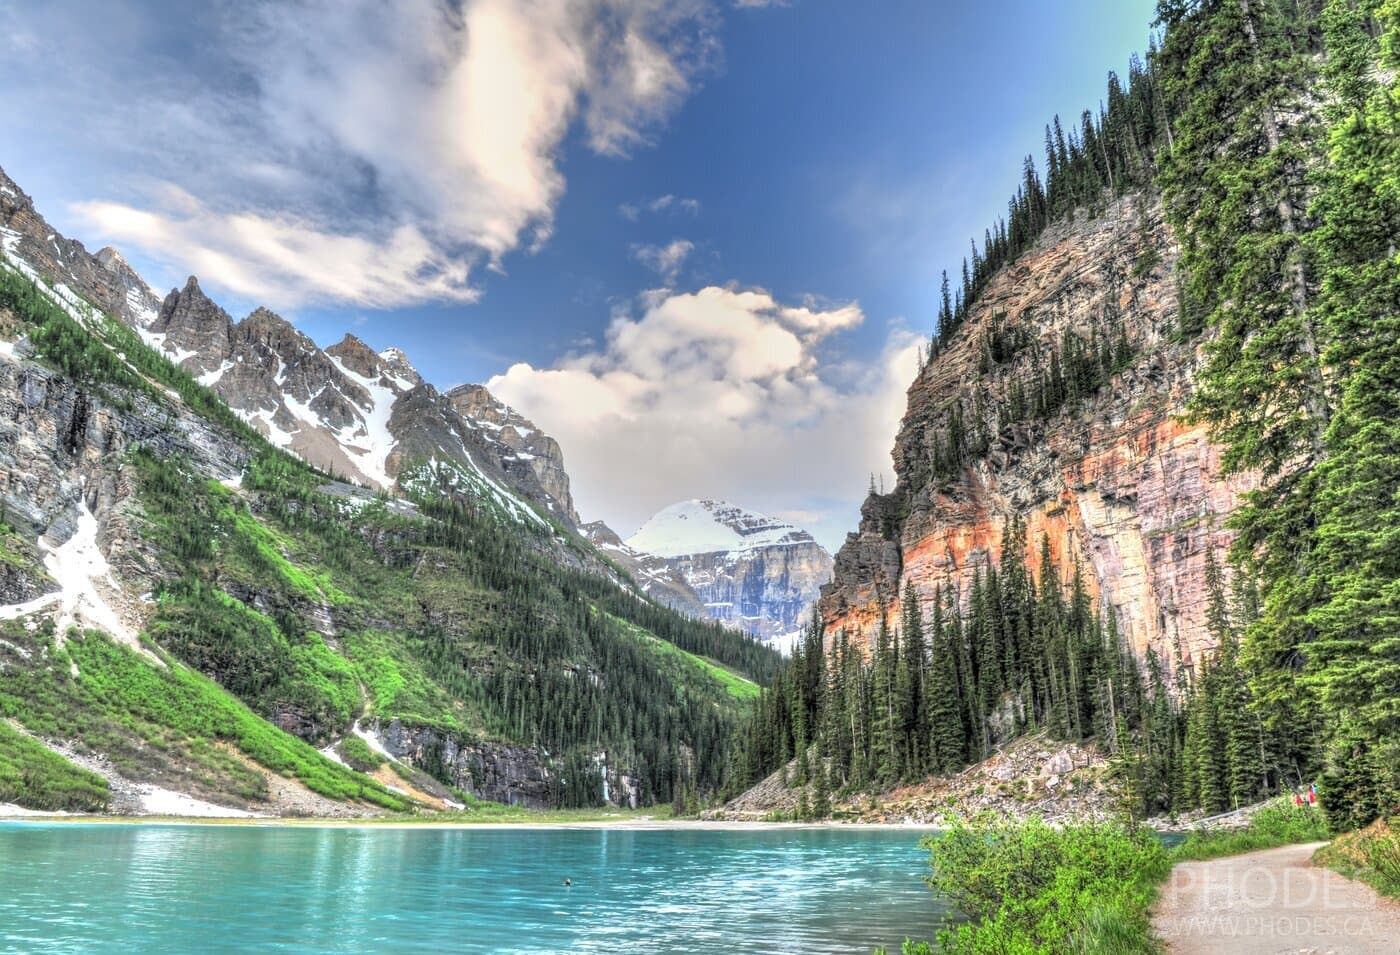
point(485, 184)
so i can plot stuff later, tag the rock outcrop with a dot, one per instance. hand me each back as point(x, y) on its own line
point(530, 458)
point(1117, 481)
point(747, 570)
point(656, 576)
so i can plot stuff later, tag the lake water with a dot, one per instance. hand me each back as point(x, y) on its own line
point(191, 889)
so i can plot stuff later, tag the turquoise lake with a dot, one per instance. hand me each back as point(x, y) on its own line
point(190, 889)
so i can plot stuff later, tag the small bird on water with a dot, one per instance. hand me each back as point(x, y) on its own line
point(568, 881)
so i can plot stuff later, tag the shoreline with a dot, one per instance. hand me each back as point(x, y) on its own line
point(639, 824)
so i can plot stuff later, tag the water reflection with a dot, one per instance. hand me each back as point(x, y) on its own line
point(179, 889)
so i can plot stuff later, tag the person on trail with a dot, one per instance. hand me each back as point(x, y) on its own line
point(1297, 799)
point(1312, 794)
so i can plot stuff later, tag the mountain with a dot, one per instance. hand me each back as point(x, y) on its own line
point(658, 578)
point(1144, 497)
point(198, 610)
point(353, 412)
point(745, 569)
point(1114, 480)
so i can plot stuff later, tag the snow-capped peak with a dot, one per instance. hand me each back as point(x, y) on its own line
point(707, 527)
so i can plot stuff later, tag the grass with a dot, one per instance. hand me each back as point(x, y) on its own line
point(1280, 823)
point(1371, 855)
point(168, 719)
point(33, 776)
point(359, 756)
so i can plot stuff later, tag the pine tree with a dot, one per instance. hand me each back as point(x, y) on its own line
point(910, 688)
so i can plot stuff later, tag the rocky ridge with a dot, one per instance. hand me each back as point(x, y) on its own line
point(1119, 483)
point(353, 412)
point(75, 534)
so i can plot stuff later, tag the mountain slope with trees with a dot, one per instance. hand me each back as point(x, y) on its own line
point(187, 606)
point(1222, 624)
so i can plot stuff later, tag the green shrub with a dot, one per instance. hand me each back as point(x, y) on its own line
point(1280, 823)
point(1371, 854)
point(1030, 888)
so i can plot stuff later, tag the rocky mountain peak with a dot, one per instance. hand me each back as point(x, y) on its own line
point(13, 195)
point(192, 327)
point(522, 447)
point(600, 534)
point(357, 357)
point(399, 366)
point(39, 251)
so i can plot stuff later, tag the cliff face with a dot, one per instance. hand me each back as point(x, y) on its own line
point(1119, 484)
point(747, 570)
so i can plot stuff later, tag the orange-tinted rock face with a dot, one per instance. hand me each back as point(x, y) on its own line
point(1118, 483)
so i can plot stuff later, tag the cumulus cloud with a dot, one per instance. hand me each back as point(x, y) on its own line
point(722, 392)
point(430, 129)
point(665, 260)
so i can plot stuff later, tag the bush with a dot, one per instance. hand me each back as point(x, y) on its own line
point(1031, 888)
point(359, 756)
point(1371, 854)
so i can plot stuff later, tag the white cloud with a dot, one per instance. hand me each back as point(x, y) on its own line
point(665, 260)
point(283, 260)
point(723, 392)
point(336, 123)
point(632, 211)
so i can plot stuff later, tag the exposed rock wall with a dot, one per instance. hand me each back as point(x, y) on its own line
point(526, 454)
point(499, 772)
point(768, 591)
point(1120, 484)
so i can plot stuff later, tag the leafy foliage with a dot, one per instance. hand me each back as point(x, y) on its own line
point(1031, 888)
point(1280, 823)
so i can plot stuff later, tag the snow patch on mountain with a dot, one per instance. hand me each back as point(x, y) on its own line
point(707, 527)
point(371, 442)
point(84, 580)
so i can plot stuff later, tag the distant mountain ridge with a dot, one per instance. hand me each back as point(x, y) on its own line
point(191, 614)
point(368, 417)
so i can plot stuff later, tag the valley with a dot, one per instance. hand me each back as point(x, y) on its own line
point(1118, 626)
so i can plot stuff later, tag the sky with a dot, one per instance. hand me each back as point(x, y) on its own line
point(698, 241)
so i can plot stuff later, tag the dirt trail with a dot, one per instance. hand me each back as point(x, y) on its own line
point(1271, 903)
